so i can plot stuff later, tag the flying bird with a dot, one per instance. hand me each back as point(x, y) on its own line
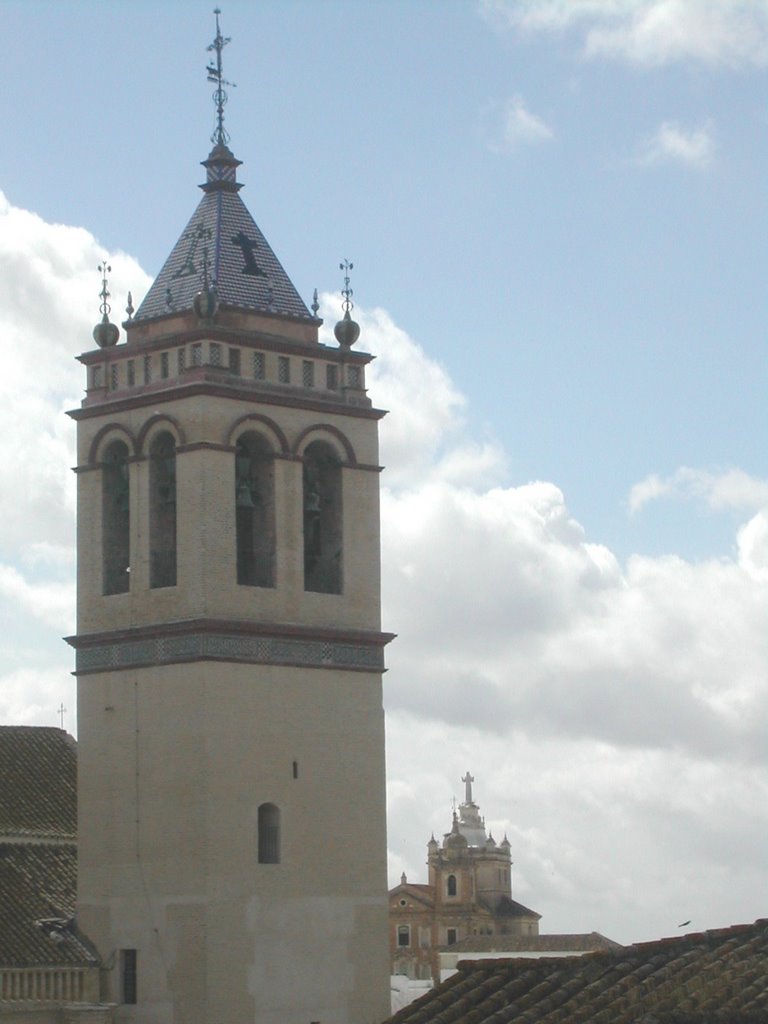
point(684, 924)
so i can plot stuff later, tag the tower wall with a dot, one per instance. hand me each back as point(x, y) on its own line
point(168, 849)
point(203, 701)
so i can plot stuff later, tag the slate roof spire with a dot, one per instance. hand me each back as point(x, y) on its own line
point(222, 240)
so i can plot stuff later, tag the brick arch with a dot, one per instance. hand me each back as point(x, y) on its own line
point(325, 428)
point(160, 418)
point(120, 431)
point(257, 418)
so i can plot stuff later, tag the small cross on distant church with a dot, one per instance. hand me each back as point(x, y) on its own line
point(61, 712)
point(468, 780)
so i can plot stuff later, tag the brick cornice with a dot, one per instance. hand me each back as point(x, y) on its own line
point(258, 394)
point(230, 640)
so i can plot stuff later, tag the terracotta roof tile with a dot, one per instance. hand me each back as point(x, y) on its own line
point(713, 976)
point(587, 942)
point(37, 897)
point(38, 783)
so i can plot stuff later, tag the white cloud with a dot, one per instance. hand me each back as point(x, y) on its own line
point(672, 144)
point(510, 125)
point(614, 715)
point(733, 33)
point(731, 488)
point(49, 287)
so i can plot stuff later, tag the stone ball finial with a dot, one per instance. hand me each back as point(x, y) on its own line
point(206, 304)
point(105, 334)
point(347, 331)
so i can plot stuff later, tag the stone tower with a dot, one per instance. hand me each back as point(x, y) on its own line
point(232, 848)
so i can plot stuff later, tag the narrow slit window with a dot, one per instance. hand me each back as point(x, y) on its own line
point(259, 366)
point(269, 834)
point(128, 977)
point(234, 361)
point(284, 369)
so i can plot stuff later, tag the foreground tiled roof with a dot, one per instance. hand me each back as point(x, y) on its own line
point(586, 942)
point(37, 905)
point(711, 976)
point(38, 783)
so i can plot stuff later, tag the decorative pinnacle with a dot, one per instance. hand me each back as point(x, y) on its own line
point(105, 334)
point(104, 308)
point(347, 305)
point(346, 330)
point(220, 136)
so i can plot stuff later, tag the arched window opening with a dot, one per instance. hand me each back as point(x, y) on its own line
point(255, 511)
point(323, 531)
point(269, 834)
point(451, 885)
point(115, 519)
point(162, 511)
point(403, 935)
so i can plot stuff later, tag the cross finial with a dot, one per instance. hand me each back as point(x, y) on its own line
point(104, 308)
point(468, 780)
point(61, 711)
point(220, 136)
point(346, 291)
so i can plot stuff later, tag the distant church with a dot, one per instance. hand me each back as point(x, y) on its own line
point(469, 893)
point(231, 804)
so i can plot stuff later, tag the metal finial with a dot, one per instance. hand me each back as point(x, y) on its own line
point(346, 330)
point(105, 334)
point(315, 307)
point(347, 305)
point(129, 308)
point(206, 303)
point(104, 308)
point(220, 136)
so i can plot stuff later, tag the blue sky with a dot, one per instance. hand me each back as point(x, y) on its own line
point(602, 308)
point(557, 213)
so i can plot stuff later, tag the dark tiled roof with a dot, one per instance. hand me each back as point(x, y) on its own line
point(506, 907)
point(38, 783)
point(712, 976)
point(37, 904)
point(586, 942)
point(241, 263)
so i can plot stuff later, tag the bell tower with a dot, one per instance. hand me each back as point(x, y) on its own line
point(229, 653)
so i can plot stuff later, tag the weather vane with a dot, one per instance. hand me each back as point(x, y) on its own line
point(105, 309)
point(105, 334)
point(220, 136)
point(347, 305)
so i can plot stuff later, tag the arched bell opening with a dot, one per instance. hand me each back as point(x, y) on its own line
point(162, 511)
point(323, 520)
point(255, 510)
point(115, 519)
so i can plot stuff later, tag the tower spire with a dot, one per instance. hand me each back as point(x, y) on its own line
point(220, 136)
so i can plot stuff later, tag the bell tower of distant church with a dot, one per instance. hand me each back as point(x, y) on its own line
point(232, 848)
